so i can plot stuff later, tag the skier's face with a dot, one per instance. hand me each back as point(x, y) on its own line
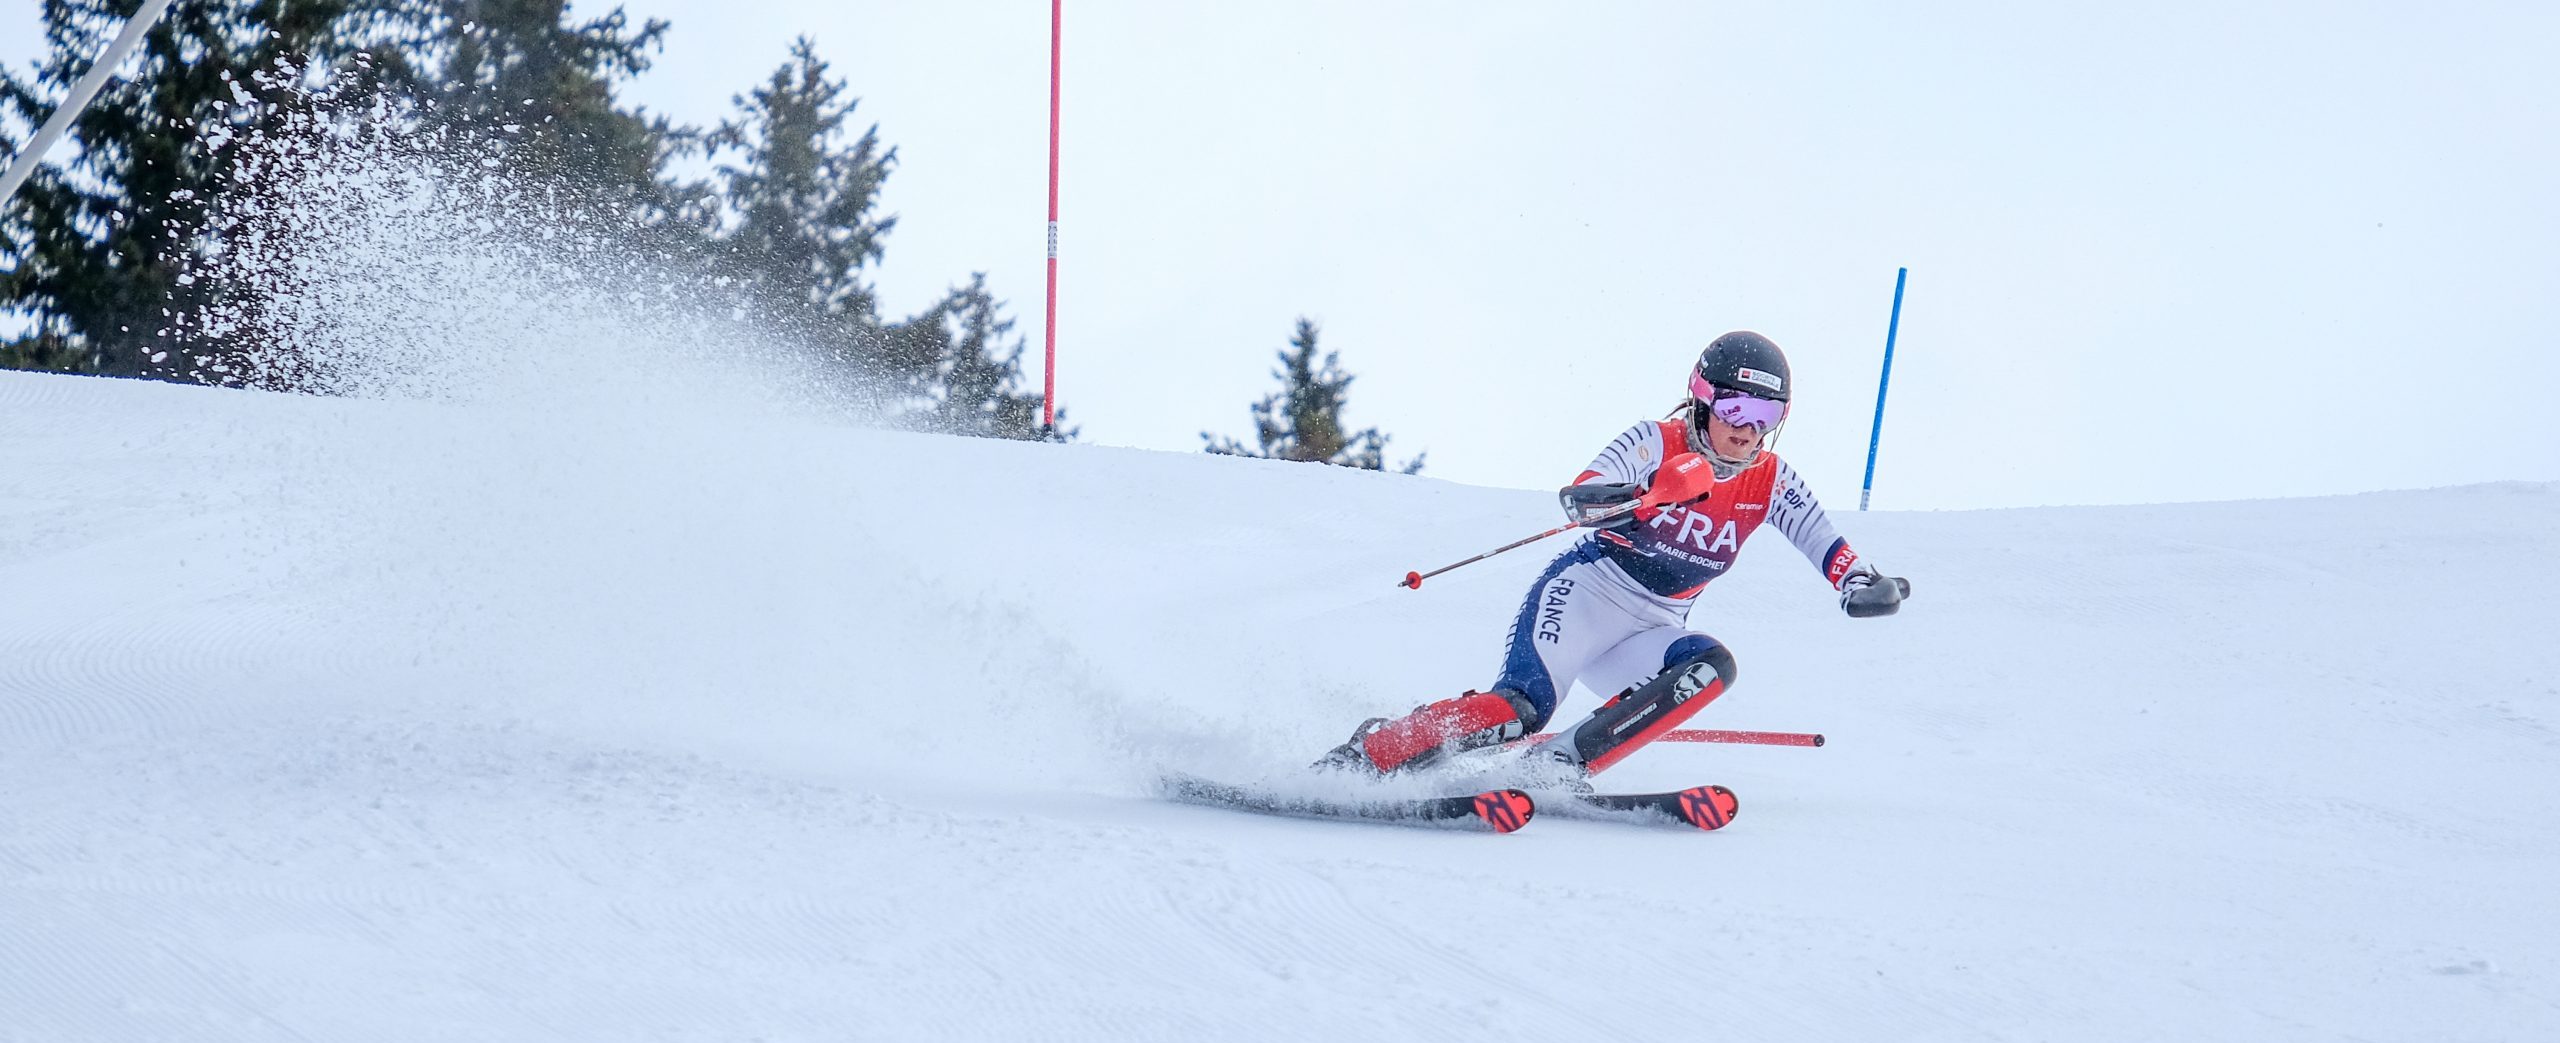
point(1730, 441)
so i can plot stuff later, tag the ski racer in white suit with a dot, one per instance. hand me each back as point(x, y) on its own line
point(1612, 610)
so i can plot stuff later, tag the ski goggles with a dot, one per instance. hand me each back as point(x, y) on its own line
point(1741, 409)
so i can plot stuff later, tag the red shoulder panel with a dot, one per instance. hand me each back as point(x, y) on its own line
point(1759, 478)
point(1675, 437)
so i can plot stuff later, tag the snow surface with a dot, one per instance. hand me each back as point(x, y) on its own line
point(327, 719)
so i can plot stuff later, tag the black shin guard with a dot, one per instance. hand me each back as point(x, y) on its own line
point(1641, 714)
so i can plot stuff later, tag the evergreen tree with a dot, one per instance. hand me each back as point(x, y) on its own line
point(42, 350)
point(1303, 420)
point(978, 373)
point(522, 64)
point(803, 225)
point(94, 242)
point(99, 249)
point(795, 224)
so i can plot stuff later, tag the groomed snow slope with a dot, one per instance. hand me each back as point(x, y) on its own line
point(345, 720)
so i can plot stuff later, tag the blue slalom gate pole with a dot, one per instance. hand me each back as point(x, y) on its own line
point(1876, 433)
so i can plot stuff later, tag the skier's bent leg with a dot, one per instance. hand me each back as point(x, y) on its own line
point(1433, 730)
point(1695, 647)
point(1567, 620)
point(1695, 670)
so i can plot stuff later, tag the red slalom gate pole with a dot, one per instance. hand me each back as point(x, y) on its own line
point(1752, 738)
point(1720, 735)
point(1049, 365)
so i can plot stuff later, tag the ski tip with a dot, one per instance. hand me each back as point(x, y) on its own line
point(1708, 807)
point(1505, 809)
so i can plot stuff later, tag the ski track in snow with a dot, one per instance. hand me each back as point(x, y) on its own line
point(328, 720)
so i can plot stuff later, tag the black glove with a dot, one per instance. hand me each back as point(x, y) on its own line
point(1585, 502)
point(1864, 592)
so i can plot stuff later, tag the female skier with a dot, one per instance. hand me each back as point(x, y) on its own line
point(1611, 611)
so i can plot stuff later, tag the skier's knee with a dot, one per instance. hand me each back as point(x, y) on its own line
point(1533, 714)
point(1699, 648)
point(1524, 681)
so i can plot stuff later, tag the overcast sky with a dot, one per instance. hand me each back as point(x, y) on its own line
point(2188, 250)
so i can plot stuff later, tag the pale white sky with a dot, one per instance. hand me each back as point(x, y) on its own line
point(2190, 250)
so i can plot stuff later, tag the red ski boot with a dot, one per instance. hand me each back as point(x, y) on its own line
point(1432, 731)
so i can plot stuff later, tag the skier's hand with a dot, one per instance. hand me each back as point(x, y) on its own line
point(1681, 479)
point(1864, 592)
point(1584, 503)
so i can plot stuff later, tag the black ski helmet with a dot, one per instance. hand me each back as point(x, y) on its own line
point(1746, 362)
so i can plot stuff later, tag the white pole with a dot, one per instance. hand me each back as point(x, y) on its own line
point(24, 165)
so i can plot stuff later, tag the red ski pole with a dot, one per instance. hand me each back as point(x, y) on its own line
point(1413, 580)
point(1682, 479)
